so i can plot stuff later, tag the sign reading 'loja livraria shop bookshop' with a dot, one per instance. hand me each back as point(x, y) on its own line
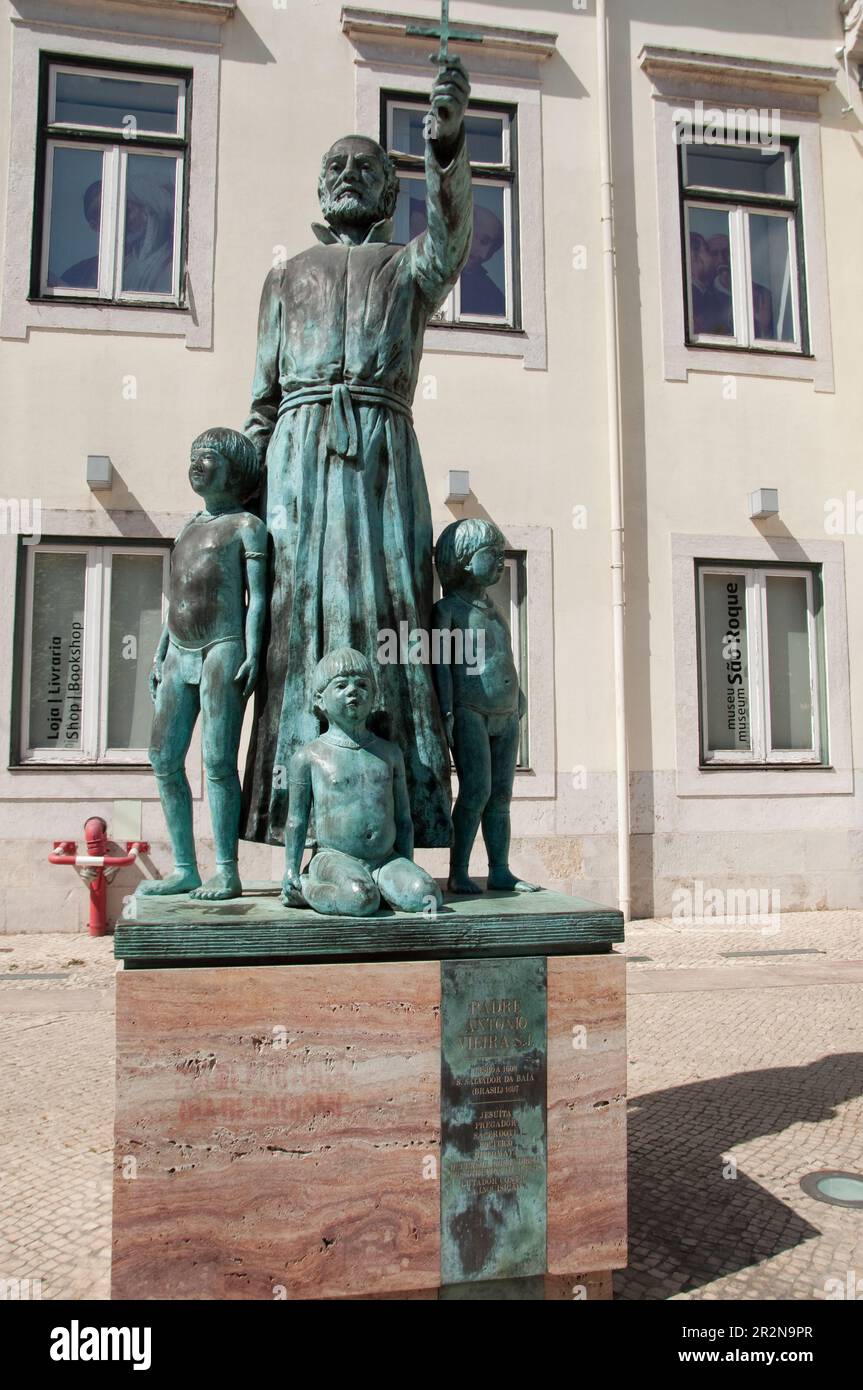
point(493, 1119)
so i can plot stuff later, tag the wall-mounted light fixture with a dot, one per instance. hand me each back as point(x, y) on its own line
point(99, 470)
point(763, 502)
point(458, 486)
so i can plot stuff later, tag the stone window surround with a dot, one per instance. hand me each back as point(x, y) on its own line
point(64, 781)
point(182, 34)
point(505, 68)
point(680, 78)
point(728, 781)
point(39, 782)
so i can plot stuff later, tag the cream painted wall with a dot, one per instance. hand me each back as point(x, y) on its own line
point(534, 441)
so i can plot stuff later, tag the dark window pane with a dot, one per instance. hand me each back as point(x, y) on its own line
point(757, 169)
point(709, 268)
point(483, 280)
point(725, 660)
point(484, 138)
point(90, 100)
point(410, 215)
point(772, 301)
point(57, 651)
point(148, 246)
point(407, 130)
point(76, 204)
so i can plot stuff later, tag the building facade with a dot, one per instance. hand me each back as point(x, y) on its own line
point(162, 157)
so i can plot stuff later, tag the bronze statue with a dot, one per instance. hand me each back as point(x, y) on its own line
point(340, 336)
point(481, 700)
point(207, 658)
point(354, 782)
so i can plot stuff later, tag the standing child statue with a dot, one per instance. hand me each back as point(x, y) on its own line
point(355, 784)
point(481, 702)
point(207, 658)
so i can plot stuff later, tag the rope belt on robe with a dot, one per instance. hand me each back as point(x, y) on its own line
point(342, 437)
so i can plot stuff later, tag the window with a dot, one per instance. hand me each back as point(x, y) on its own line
point(111, 179)
point(486, 293)
point(743, 248)
point(760, 665)
point(92, 619)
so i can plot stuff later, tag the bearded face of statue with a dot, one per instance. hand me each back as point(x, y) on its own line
point(358, 184)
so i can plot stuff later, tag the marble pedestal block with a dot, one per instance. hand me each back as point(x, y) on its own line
point(279, 1115)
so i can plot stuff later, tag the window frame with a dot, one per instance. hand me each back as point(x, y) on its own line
point(741, 205)
point(99, 556)
point(503, 175)
point(53, 134)
point(761, 754)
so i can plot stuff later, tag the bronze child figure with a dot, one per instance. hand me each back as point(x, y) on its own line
point(355, 784)
point(207, 658)
point(480, 699)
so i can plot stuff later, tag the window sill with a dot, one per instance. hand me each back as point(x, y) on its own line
point(57, 765)
point(773, 779)
point(75, 315)
point(683, 358)
point(487, 340)
point(91, 302)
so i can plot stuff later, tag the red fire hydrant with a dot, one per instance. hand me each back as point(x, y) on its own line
point(97, 868)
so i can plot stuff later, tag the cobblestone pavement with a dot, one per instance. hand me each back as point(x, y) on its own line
point(738, 1087)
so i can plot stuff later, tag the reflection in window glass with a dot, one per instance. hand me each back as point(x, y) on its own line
point(483, 280)
point(76, 208)
point(709, 263)
point(57, 652)
point(484, 138)
point(726, 663)
point(744, 169)
point(407, 130)
point(788, 659)
point(148, 246)
point(410, 214)
point(772, 302)
point(116, 103)
point(134, 628)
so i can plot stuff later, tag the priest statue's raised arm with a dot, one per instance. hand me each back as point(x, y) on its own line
point(340, 337)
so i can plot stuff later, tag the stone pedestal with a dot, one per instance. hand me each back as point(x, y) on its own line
point(279, 1114)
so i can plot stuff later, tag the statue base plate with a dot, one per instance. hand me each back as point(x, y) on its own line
point(176, 931)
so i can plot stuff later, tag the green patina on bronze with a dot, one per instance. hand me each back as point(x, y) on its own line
point(493, 1119)
point(340, 339)
point(482, 702)
point(206, 663)
point(354, 784)
point(256, 930)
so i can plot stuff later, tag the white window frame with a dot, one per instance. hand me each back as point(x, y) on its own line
point(97, 616)
point(120, 76)
point(112, 227)
point(761, 751)
point(676, 81)
point(450, 312)
point(741, 278)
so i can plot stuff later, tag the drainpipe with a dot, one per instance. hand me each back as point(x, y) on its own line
point(615, 461)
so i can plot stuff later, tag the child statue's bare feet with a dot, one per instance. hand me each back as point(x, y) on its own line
point(183, 880)
point(461, 882)
point(506, 881)
point(225, 883)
